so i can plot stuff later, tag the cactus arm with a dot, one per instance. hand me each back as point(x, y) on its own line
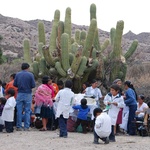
point(41, 33)
point(131, 49)
point(60, 69)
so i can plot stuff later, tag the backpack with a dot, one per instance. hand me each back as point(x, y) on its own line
point(143, 131)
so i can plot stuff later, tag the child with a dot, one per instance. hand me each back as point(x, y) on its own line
point(64, 98)
point(2, 103)
point(115, 101)
point(102, 128)
point(8, 111)
point(82, 114)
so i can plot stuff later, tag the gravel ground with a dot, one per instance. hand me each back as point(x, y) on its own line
point(50, 140)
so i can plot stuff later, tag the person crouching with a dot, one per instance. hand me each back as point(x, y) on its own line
point(102, 127)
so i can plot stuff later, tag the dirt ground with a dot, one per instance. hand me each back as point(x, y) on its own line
point(50, 140)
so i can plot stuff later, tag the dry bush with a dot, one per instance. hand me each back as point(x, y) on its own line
point(139, 75)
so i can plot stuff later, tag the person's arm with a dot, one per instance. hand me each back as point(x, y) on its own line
point(107, 99)
point(32, 81)
point(120, 104)
point(98, 122)
point(76, 107)
point(57, 97)
point(130, 97)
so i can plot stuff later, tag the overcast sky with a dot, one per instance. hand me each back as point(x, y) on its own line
point(134, 13)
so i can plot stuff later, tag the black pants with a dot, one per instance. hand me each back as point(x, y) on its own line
point(112, 135)
point(1, 127)
point(96, 137)
point(83, 124)
point(9, 126)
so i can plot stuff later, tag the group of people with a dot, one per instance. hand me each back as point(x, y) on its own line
point(121, 106)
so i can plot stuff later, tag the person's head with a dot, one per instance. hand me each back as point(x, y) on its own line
point(141, 98)
point(118, 81)
point(46, 80)
point(148, 104)
point(68, 84)
point(60, 84)
point(2, 101)
point(97, 112)
point(114, 89)
point(25, 66)
point(128, 84)
point(85, 85)
point(4, 85)
point(94, 83)
point(12, 76)
point(10, 93)
point(1, 82)
point(83, 102)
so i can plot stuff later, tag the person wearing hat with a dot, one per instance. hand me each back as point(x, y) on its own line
point(94, 91)
point(44, 98)
point(24, 81)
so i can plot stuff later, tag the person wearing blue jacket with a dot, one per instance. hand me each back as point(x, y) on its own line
point(130, 101)
point(24, 81)
point(83, 110)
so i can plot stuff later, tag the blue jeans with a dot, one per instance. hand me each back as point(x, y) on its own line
point(23, 104)
point(63, 126)
point(131, 128)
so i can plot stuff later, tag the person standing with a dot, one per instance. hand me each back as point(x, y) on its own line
point(130, 101)
point(8, 111)
point(24, 81)
point(94, 92)
point(64, 98)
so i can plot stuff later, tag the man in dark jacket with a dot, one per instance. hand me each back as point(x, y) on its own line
point(24, 81)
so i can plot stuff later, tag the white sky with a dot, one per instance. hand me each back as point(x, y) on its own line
point(134, 13)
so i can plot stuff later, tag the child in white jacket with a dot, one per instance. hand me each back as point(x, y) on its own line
point(8, 111)
point(114, 101)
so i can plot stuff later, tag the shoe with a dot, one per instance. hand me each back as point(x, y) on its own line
point(43, 129)
point(65, 136)
point(26, 129)
point(112, 140)
point(107, 141)
point(18, 129)
point(95, 142)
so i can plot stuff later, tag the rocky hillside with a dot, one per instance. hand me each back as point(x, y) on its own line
point(15, 30)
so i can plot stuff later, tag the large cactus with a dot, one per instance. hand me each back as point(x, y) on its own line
point(81, 57)
point(41, 32)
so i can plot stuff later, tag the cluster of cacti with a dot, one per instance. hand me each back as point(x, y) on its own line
point(80, 56)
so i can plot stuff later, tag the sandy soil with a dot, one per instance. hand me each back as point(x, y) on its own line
point(50, 140)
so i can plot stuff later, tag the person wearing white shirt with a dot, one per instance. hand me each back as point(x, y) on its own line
point(114, 101)
point(141, 107)
point(102, 127)
point(64, 98)
point(94, 91)
point(8, 111)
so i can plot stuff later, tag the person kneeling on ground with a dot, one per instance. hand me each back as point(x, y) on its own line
point(102, 127)
point(82, 115)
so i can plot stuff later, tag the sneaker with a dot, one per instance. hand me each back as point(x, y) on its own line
point(112, 140)
point(95, 142)
point(26, 129)
point(107, 141)
point(18, 129)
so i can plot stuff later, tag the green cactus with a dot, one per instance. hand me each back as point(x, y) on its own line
point(90, 37)
point(68, 26)
point(131, 50)
point(92, 11)
point(77, 36)
point(26, 50)
point(35, 66)
point(41, 33)
point(65, 51)
point(53, 36)
point(82, 37)
point(60, 69)
point(40, 46)
point(112, 35)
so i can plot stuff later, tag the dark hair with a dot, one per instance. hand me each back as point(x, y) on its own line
point(45, 79)
point(13, 75)
point(68, 84)
point(4, 84)
point(116, 87)
point(130, 85)
point(3, 100)
point(93, 81)
point(11, 92)
point(60, 82)
point(148, 104)
point(0, 82)
point(25, 66)
point(83, 101)
point(141, 96)
point(96, 110)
